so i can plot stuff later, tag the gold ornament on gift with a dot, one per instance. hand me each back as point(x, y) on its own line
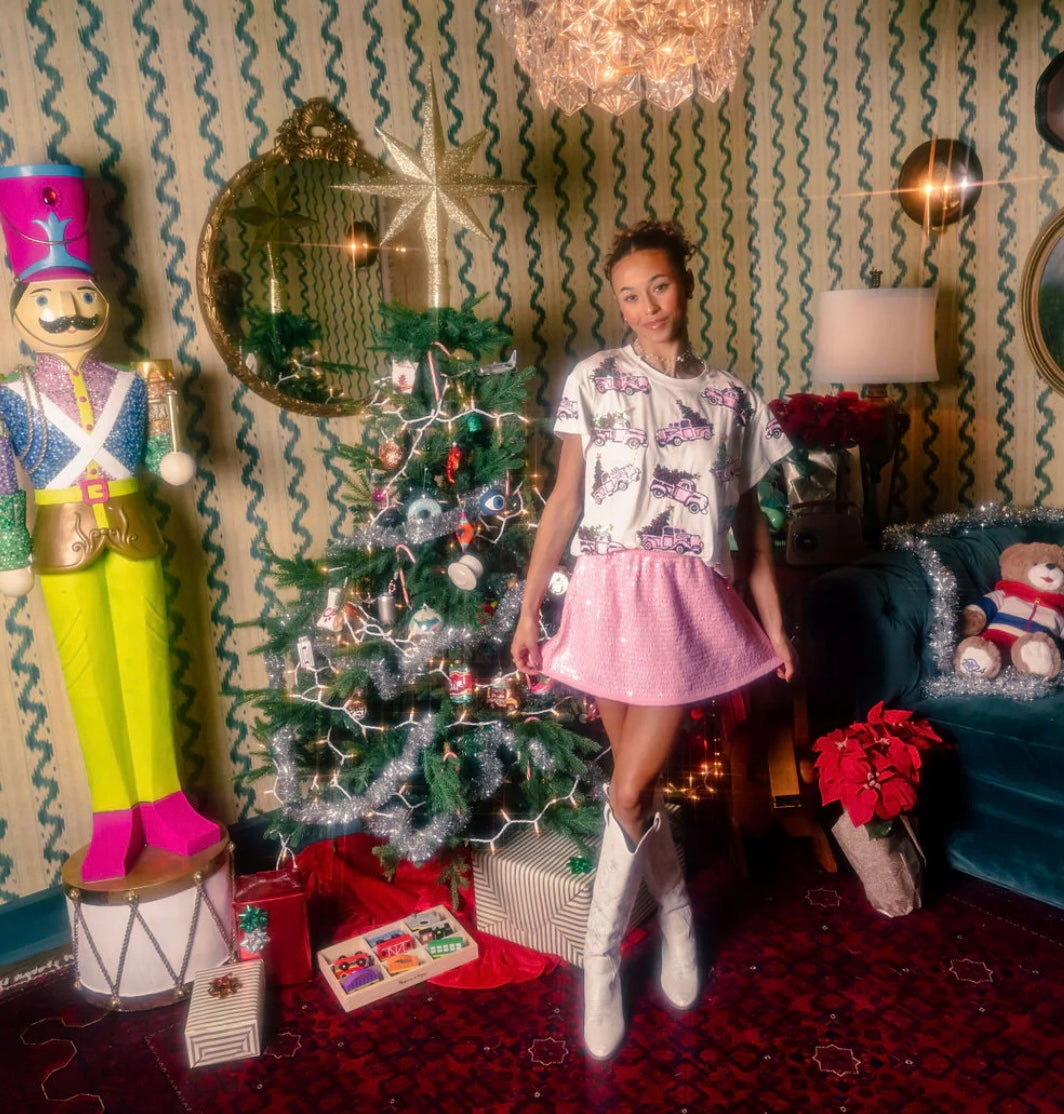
point(433, 184)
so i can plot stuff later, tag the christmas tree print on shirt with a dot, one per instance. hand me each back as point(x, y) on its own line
point(604, 484)
point(734, 398)
point(597, 540)
point(725, 468)
point(616, 426)
point(692, 426)
point(670, 483)
point(609, 377)
point(659, 536)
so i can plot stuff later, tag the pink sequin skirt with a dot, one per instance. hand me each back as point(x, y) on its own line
point(655, 629)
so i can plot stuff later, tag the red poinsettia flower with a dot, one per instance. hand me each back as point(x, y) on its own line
point(829, 421)
point(873, 768)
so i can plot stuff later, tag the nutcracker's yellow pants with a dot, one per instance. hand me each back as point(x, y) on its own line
point(110, 629)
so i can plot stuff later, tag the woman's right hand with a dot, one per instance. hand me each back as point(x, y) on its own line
point(525, 645)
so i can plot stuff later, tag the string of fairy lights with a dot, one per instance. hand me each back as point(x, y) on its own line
point(411, 653)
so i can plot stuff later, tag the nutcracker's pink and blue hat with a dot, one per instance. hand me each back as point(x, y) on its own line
point(44, 212)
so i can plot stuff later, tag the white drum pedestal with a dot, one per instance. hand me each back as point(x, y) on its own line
point(139, 940)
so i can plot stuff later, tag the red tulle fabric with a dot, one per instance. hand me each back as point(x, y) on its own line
point(347, 894)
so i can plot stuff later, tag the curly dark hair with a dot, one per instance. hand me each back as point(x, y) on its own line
point(651, 235)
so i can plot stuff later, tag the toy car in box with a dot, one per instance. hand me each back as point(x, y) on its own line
point(394, 956)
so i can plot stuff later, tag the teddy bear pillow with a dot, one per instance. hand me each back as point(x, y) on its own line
point(1021, 622)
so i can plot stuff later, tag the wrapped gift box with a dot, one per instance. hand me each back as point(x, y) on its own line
point(280, 896)
point(527, 892)
point(391, 957)
point(225, 1014)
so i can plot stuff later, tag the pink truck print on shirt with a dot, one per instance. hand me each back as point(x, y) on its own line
point(679, 488)
point(616, 479)
point(671, 539)
point(621, 381)
point(684, 429)
point(619, 429)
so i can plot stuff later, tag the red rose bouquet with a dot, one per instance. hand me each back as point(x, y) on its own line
point(873, 768)
point(829, 421)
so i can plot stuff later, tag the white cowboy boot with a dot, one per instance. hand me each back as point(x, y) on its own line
point(616, 883)
point(664, 878)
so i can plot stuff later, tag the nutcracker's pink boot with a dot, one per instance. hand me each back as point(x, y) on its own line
point(117, 838)
point(174, 825)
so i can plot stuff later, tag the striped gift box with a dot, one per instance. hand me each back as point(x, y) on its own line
point(527, 894)
point(225, 1026)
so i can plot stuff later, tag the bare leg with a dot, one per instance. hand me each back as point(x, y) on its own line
point(647, 738)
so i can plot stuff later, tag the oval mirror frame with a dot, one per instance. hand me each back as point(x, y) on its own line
point(1047, 253)
point(315, 132)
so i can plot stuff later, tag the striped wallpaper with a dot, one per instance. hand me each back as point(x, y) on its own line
point(786, 184)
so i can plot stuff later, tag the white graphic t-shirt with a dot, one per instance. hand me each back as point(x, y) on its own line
point(665, 460)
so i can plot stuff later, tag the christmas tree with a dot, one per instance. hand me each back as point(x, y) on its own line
point(394, 701)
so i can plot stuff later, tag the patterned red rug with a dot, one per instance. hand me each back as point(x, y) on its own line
point(814, 1003)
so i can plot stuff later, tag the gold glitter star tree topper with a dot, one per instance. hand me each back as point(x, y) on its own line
point(433, 185)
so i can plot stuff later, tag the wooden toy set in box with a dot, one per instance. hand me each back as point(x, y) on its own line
point(394, 956)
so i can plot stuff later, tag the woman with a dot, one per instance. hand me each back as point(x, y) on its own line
point(660, 455)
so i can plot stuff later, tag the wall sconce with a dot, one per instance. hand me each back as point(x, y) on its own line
point(362, 243)
point(940, 182)
point(872, 337)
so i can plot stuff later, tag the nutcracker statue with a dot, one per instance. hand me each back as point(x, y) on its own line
point(80, 430)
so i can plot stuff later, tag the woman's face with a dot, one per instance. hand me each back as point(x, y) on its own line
point(652, 295)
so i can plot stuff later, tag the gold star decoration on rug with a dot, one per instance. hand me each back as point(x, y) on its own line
point(433, 184)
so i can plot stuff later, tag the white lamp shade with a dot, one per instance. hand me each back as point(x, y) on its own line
point(875, 335)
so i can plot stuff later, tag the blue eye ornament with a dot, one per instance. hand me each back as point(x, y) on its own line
point(493, 501)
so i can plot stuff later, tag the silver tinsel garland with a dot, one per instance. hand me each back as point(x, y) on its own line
point(945, 609)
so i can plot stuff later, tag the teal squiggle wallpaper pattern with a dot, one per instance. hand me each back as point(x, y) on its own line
point(1008, 273)
point(966, 340)
point(781, 208)
point(786, 181)
point(1051, 24)
point(188, 726)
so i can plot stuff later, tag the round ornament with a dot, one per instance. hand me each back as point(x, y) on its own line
point(493, 501)
point(422, 508)
point(425, 621)
point(390, 454)
point(355, 707)
point(558, 584)
point(474, 423)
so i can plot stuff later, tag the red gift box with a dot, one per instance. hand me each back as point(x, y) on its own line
point(280, 895)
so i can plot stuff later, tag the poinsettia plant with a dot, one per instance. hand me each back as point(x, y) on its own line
point(873, 768)
point(829, 421)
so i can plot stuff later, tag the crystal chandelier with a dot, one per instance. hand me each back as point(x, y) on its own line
point(615, 53)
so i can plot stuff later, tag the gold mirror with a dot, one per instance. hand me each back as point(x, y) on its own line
point(1042, 302)
point(289, 271)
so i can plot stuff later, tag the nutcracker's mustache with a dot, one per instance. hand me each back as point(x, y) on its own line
point(74, 321)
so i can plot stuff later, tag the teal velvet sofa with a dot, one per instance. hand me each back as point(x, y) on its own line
point(884, 629)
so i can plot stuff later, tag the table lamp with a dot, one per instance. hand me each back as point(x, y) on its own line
point(872, 337)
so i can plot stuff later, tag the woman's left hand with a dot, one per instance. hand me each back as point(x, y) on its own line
point(785, 649)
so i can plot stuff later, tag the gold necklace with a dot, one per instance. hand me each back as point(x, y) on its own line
point(684, 356)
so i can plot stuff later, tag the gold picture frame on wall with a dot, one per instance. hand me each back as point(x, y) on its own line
point(288, 268)
point(1042, 302)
